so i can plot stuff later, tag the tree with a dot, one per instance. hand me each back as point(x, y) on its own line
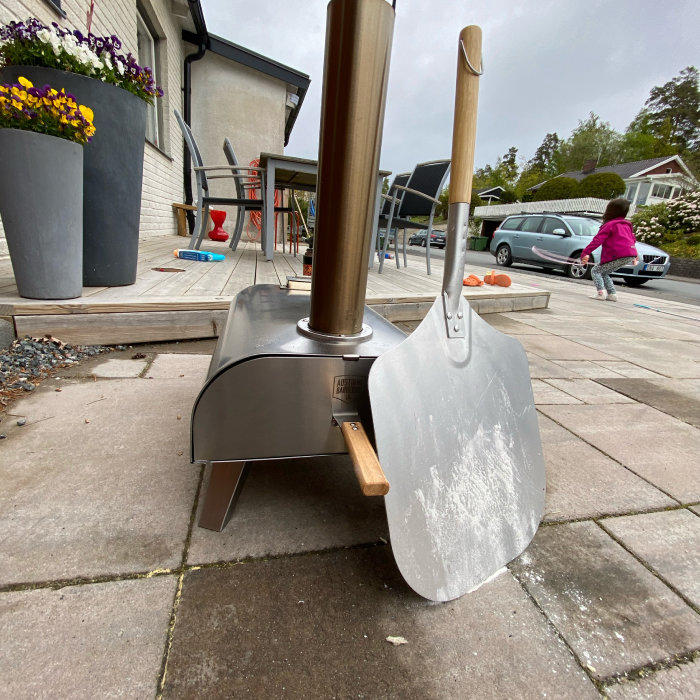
point(557, 188)
point(672, 112)
point(591, 139)
point(544, 158)
point(602, 185)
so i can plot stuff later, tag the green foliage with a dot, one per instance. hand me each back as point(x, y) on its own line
point(544, 160)
point(602, 185)
point(592, 138)
point(558, 188)
point(669, 222)
point(673, 110)
point(694, 239)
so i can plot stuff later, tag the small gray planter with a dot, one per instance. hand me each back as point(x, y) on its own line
point(41, 203)
point(113, 169)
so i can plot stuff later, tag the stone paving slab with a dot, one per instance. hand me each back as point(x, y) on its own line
point(291, 506)
point(677, 397)
point(317, 626)
point(613, 612)
point(92, 641)
point(588, 369)
point(584, 483)
point(667, 357)
point(114, 368)
point(657, 447)
point(542, 369)
point(695, 509)
point(98, 481)
point(172, 366)
point(675, 683)
point(512, 326)
point(553, 347)
point(545, 393)
point(669, 542)
point(588, 391)
point(627, 369)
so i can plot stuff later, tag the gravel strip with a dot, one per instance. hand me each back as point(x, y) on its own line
point(29, 360)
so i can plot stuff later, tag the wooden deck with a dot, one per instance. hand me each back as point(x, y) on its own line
point(193, 302)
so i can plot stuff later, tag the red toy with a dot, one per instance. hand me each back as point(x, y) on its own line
point(217, 233)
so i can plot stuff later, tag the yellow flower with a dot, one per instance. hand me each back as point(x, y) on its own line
point(87, 113)
point(24, 82)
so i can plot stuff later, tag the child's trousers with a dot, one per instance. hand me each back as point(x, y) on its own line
point(601, 273)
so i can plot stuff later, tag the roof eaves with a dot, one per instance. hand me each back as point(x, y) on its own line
point(250, 59)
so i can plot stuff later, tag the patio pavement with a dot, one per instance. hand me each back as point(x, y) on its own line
point(108, 588)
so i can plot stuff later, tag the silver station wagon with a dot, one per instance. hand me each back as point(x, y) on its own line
point(556, 241)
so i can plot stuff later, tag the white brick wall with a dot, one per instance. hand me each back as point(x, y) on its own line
point(162, 171)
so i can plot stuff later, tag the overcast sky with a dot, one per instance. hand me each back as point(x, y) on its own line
point(547, 65)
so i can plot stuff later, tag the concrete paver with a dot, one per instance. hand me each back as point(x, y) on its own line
point(588, 391)
point(613, 612)
point(119, 368)
point(657, 447)
point(93, 641)
point(677, 397)
point(96, 510)
point(583, 483)
point(98, 481)
point(317, 626)
point(294, 506)
point(545, 393)
point(678, 682)
point(669, 542)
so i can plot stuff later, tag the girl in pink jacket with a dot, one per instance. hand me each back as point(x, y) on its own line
point(618, 248)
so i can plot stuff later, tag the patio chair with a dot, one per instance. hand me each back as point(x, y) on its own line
point(418, 197)
point(244, 177)
point(390, 201)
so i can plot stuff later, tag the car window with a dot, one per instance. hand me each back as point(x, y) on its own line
point(584, 227)
point(512, 223)
point(550, 223)
point(532, 224)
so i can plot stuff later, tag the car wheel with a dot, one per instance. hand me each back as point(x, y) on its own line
point(577, 271)
point(503, 256)
point(635, 281)
point(423, 243)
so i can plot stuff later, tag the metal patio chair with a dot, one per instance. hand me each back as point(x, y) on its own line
point(390, 201)
point(418, 197)
point(244, 178)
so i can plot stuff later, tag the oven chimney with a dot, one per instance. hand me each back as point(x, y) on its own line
point(355, 75)
point(589, 166)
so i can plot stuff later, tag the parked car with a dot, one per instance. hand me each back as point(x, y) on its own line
point(561, 238)
point(437, 239)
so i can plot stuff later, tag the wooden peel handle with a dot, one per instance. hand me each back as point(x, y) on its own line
point(466, 101)
point(369, 472)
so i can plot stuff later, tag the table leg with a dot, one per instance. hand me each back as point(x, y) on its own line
point(268, 241)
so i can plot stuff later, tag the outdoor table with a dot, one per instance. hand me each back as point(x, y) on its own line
point(287, 172)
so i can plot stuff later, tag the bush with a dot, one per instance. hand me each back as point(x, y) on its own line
point(668, 221)
point(557, 188)
point(602, 185)
point(693, 240)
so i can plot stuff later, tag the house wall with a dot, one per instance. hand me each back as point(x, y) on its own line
point(162, 172)
point(662, 169)
point(234, 101)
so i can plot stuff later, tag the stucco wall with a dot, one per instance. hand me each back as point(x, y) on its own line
point(231, 100)
point(162, 181)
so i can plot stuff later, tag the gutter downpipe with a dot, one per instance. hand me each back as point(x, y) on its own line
point(201, 30)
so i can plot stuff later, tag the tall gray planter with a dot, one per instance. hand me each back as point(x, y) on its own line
point(113, 172)
point(41, 203)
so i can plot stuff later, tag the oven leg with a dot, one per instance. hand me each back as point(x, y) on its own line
point(225, 484)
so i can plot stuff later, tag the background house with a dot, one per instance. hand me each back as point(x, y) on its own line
point(221, 89)
point(648, 181)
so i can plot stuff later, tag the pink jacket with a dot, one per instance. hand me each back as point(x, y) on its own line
point(618, 241)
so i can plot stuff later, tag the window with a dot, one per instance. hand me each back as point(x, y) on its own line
point(512, 223)
point(631, 192)
point(550, 224)
point(147, 45)
point(532, 224)
point(56, 4)
point(662, 191)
